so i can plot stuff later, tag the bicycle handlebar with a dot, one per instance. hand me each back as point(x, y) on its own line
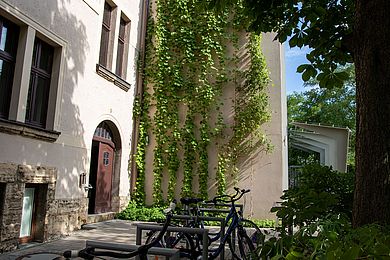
point(232, 198)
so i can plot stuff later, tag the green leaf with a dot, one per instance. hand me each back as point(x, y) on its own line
point(352, 252)
point(293, 41)
point(302, 67)
point(306, 75)
point(277, 257)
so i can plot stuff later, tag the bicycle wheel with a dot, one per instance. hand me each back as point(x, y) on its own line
point(245, 246)
point(253, 232)
point(244, 241)
point(177, 240)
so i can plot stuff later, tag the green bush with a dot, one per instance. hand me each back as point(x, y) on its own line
point(319, 191)
point(320, 207)
point(142, 213)
point(331, 237)
point(264, 223)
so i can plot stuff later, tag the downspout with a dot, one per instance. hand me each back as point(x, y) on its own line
point(138, 92)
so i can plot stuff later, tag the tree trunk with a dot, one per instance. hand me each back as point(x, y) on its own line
point(372, 64)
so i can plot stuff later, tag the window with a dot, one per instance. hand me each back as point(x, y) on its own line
point(105, 68)
point(31, 76)
point(103, 131)
point(121, 52)
point(105, 37)
point(38, 93)
point(106, 158)
point(9, 34)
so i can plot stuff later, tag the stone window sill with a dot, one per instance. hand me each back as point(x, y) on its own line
point(19, 128)
point(108, 75)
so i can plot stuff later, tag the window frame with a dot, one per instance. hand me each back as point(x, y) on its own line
point(108, 28)
point(39, 73)
point(122, 46)
point(9, 58)
point(29, 29)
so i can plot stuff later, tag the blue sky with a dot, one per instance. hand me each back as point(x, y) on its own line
point(293, 58)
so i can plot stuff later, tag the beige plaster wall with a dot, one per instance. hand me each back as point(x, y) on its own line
point(86, 99)
point(265, 174)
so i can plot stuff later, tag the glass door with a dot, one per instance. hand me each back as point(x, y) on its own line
point(27, 213)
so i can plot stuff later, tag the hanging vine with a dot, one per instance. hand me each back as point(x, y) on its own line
point(187, 71)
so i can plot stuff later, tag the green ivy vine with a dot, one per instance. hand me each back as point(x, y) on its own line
point(187, 68)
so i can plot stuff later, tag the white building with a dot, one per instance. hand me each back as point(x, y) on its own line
point(68, 74)
point(67, 79)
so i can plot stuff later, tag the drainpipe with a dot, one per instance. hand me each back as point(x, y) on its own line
point(138, 92)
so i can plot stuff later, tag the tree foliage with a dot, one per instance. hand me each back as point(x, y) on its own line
point(333, 107)
point(341, 32)
point(323, 25)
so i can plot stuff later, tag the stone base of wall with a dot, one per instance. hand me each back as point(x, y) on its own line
point(94, 218)
point(66, 216)
point(54, 218)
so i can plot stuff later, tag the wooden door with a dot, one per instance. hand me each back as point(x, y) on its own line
point(104, 178)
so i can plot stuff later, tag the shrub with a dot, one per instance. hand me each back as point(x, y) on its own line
point(321, 206)
point(264, 223)
point(331, 237)
point(319, 191)
point(142, 213)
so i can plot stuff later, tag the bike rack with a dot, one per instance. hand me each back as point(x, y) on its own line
point(211, 207)
point(173, 254)
point(197, 231)
point(206, 218)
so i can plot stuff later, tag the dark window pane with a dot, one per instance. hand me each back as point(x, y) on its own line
point(8, 37)
point(104, 46)
point(38, 101)
point(38, 93)
point(119, 58)
point(46, 59)
point(122, 29)
point(107, 15)
point(122, 40)
point(6, 78)
point(105, 37)
point(43, 56)
point(9, 34)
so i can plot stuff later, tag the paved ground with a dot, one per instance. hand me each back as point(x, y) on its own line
point(118, 231)
point(108, 231)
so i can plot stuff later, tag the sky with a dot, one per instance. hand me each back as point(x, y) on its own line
point(293, 58)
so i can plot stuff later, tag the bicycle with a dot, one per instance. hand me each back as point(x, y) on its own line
point(190, 246)
point(90, 252)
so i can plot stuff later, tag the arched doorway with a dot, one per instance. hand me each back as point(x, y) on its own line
point(101, 177)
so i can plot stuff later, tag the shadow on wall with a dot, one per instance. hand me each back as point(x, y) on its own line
point(70, 154)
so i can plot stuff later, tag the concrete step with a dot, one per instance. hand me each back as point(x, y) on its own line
point(94, 218)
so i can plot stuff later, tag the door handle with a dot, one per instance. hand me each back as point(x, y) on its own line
point(87, 187)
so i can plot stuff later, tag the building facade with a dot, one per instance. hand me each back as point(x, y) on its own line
point(68, 77)
point(67, 80)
